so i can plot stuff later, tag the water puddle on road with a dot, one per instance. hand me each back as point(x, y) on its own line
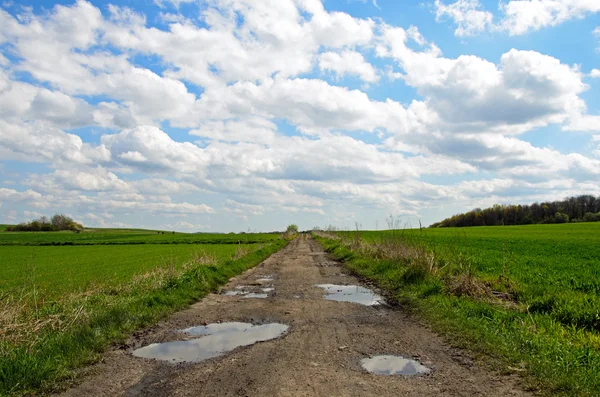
point(393, 365)
point(248, 291)
point(256, 295)
point(264, 280)
point(217, 340)
point(351, 293)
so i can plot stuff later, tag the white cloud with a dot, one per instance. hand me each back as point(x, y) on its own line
point(527, 89)
point(595, 73)
point(467, 14)
point(174, 3)
point(522, 16)
point(516, 17)
point(91, 179)
point(39, 142)
point(348, 63)
point(150, 149)
point(184, 227)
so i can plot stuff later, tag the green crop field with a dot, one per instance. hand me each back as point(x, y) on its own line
point(65, 296)
point(129, 236)
point(59, 270)
point(527, 296)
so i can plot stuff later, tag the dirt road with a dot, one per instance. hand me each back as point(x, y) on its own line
point(319, 355)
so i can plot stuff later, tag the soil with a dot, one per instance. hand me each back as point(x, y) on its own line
point(319, 355)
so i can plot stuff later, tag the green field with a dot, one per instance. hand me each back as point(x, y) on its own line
point(59, 270)
point(526, 296)
point(129, 236)
point(65, 297)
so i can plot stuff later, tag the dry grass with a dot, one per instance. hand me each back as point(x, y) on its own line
point(422, 262)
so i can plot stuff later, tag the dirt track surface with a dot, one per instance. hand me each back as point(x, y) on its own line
point(318, 356)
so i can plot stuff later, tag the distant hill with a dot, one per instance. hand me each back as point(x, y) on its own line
point(572, 209)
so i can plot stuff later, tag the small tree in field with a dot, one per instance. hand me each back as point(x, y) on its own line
point(292, 229)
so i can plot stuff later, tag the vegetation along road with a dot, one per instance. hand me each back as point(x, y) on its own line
point(286, 328)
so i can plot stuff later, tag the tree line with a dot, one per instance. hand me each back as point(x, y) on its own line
point(45, 224)
point(585, 208)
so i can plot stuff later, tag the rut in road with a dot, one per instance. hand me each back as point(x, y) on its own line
point(319, 355)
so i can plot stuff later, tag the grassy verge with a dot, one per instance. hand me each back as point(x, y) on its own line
point(553, 358)
point(74, 333)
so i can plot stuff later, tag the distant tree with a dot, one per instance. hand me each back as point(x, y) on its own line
point(292, 229)
point(43, 224)
point(584, 208)
point(591, 217)
point(559, 217)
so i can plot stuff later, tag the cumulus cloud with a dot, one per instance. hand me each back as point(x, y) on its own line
point(527, 89)
point(348, 63)
point(522, 16)
point(246, 109)
point(467, 14)
point(516, 17)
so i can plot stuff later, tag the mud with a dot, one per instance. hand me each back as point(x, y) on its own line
point(320, 354)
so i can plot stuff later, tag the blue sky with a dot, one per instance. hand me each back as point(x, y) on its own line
point(235, 115)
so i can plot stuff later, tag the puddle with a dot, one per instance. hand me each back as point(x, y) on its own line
point(234, 293)
point(351, 293)
point(256, 295)
point(393, 365)
point(246, 294)
point(249, 291)
point(264, 280)
point(217, 340)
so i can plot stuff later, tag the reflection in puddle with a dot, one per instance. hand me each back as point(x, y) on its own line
point(218, 339)
point(217, 328)
point(267, 289)
point(393, 365)
point(351, 293)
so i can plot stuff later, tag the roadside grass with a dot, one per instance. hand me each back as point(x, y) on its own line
point(3, 227)
point(525, 299)
point(43, 342)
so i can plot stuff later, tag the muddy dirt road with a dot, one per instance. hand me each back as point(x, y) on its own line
point(319, 354)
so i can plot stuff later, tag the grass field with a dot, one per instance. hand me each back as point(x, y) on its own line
point(61, 306)
point(527, 296)
point(60, 270)
point(129, 236)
